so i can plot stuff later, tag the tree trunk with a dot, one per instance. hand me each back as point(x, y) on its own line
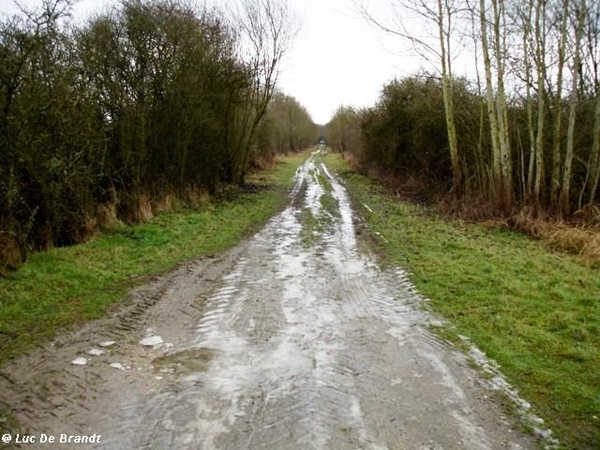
point(501, 110)
point(448, 97)
point(491, 108)
point(529, 102)
point(573, 100)
point(558, 109)
point(540, 51)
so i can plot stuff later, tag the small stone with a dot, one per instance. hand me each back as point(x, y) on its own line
point(117, 365)
point(158, 378)
point(95, 352)
point(152, 341)
point(106, 343)
point(545, 434)
point(81, 361)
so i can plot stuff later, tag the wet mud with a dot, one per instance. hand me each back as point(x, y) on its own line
point(296, 339)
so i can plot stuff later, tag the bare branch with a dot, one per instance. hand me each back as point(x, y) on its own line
point(417, 44)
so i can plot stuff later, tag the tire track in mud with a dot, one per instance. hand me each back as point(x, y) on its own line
point(297, 341)
point(314, 347)
point(48, 394)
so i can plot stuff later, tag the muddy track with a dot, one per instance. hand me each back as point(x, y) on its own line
point(293, 340)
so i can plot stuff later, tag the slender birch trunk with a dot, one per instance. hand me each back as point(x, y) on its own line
point(540, 53)
point(491, 108)
point(558, 108)
point(447, 93)
point(528, 101)
point(573, 101)
point(501, 110)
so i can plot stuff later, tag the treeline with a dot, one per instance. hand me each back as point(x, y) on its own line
point(100, 122)
point(525, 131)
point(404, 134)
point(286, 127)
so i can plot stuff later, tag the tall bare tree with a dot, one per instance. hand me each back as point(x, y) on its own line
point(491, 103)
point(441, 14)
point(540, 63)
point(558, 105)
point(267, 29)
point(592, 33)
point(573, 103)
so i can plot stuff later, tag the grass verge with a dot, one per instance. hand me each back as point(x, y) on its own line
point(534, 311)
point(67, 286)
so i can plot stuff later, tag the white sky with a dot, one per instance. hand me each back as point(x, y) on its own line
point(336, 59)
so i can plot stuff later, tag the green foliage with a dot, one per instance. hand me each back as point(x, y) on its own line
point(343, 130)
point(405, 132)
point(62, 287)
point(533, 311)
point(405, 135)
point(99, 123)
point(286, 127)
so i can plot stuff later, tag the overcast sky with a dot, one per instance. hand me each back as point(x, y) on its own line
point(337, 58)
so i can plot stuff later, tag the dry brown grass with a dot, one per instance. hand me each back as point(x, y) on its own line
point(590, 253)
point(164, 203)
point(10, 255)
point(567, 238)
point(106, 215)
point(262, 163)
point(495, 224)
point(589, 216)
point(577, 239)
point(136, 208)
point(530, 221)
point(117, 209)
point(144, 210)
point(471, 208)
point(196, 197)
point(89, 228)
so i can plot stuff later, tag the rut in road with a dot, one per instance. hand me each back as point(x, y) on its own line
point(307, 344)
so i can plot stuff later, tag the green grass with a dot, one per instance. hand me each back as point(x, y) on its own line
point(536, 312)
point(64, 287)
point(311, 229)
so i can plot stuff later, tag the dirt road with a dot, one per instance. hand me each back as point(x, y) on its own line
point(293, 340)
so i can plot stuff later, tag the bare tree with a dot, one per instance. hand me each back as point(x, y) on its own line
point(558, 105)
point(525, 19)
point(440, 13)
point(540, 63)
point(573, 103)
point(593, 58)
point(491, 103)
point(500, 56)
point(267, 29)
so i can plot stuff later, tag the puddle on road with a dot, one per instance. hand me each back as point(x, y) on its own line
point(308, 344)
point(186, 361)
